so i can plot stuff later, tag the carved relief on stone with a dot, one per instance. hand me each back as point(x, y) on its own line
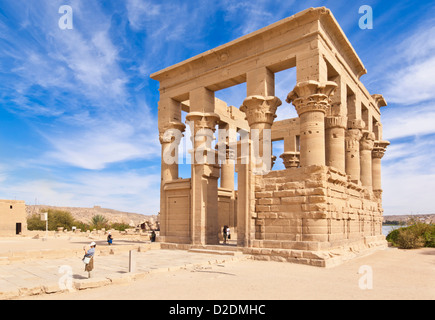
point(200, 121)
point(356, 124)
point(379, 149)
point(260, 109)
point(171, 131)
point(336, 122)
point(367, 141)
point(352, 139)
point(291, 159)
point(312, 96)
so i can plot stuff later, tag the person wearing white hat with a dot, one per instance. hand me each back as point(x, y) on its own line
point(90, 255)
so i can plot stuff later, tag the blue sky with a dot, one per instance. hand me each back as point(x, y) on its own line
point(78, 111)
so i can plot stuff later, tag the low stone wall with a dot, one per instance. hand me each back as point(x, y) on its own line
point(316, 211)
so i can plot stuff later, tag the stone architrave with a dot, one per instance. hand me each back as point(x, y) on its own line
point(311, 100)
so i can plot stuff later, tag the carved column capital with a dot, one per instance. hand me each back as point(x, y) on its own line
point(336, 122)
point(379, 149)
point(291, 159)
point(312, 96)
point(170, 131)
point(352, 138)
point(200, 121)
point(260, 109)
point(356, 124)
point(367, 141)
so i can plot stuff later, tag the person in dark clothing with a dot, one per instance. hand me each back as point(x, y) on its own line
point(224, 232)
point(109, 239)
point(153, 236)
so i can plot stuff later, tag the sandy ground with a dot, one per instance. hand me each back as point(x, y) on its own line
point(393, 273)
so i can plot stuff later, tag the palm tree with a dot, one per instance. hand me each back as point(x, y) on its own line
point(99, 221)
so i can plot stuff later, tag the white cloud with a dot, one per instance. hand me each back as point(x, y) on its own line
point(413, 84)
point(140, 12)
point(408, 176)
point(126, 191)
point(410, 68)
point(406, 121)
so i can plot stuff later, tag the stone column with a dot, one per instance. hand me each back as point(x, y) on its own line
point(366, 146)
point(170, 136)
point(205, 173)
point(260, 114)
point(311, 100)
point(352, 148)
point(377, 154)
point(228, 156)
point(227, 171)
point(335, 142)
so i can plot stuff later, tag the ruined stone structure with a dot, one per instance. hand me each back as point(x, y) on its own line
point(13, 218)
point(327, 203)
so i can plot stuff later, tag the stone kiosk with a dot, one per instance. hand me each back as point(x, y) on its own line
point(326, 206)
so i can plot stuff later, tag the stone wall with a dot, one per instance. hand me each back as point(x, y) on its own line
point(12, 212)
point(315, 208)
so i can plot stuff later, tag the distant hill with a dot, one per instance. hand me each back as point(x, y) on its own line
point(427, 218)
point(85, 214)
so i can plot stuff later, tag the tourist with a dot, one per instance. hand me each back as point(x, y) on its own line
point(89, 266)
point(228, 233)
point(109, 239)
point(224, 231)
point(153, 236)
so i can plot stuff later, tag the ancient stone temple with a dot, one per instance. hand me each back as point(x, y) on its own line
point(326, 205)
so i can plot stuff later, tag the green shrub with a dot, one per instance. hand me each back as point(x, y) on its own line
point(119, 226)
point(417, 235)
point(409, 239)
point(34, 223)
point(59, 218)
point(82, 226)
point(393, 236)
point(56, 219)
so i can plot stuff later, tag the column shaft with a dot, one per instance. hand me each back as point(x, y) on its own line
point(366, 147)
point(377, 155)
point(205, 173)
point(311, 100)
point(335, 142)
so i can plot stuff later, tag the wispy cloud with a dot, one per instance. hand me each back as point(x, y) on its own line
point(76, 78)
point(408, 80)
point(111, 190)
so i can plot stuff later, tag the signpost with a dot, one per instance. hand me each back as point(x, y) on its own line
point(44, 217)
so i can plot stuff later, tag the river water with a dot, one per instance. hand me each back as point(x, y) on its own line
point(387, 229)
